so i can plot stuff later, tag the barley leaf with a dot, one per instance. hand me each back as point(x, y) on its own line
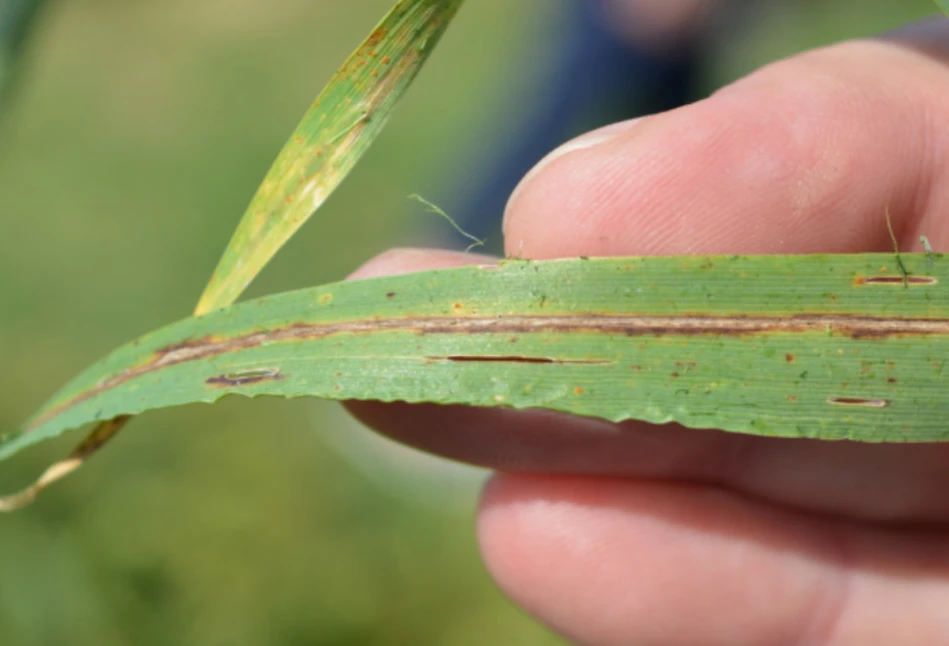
point(830, 347)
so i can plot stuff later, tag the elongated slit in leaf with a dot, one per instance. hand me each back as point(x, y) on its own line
point(897, 280)
point(515, 359)
point(858, 401)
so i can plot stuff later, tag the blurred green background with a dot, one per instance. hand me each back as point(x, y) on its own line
point(136, 135)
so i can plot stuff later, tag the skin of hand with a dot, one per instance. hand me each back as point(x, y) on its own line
point(661, 535)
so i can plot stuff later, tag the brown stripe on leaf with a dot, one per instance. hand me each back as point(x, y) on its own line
point(855, 327)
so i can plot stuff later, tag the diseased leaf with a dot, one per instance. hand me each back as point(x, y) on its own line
point(831, 347)
point(333, 135)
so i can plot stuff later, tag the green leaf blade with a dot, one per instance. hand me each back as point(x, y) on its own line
point(831, 347)
point(334, 133)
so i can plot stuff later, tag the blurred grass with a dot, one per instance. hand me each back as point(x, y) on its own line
point(235, 524)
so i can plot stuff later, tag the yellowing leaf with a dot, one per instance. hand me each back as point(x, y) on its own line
point(333, 135)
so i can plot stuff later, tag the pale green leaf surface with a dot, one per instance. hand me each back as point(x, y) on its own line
point(334, 133)
point(944, 5)
point(832, 347)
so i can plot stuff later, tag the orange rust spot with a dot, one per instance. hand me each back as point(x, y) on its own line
point(386, 60)
point(792, 398)
point(288, 199)
point(789, 357)
point(674, 375)
point(376, 36)
point(578, 390)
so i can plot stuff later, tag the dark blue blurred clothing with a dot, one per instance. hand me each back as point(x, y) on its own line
point(600, 78)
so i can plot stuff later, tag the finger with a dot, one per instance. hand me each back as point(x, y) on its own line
point(629, 562)
point(802, 156)
point(893, 483)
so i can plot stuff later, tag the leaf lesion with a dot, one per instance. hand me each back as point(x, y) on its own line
point(908, 280)
point(859, 402)
point(521, 359)
point(245, 377)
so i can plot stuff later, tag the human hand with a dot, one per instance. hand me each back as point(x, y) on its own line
point(661, 535)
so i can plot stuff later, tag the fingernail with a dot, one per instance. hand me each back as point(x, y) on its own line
point(588, 140)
